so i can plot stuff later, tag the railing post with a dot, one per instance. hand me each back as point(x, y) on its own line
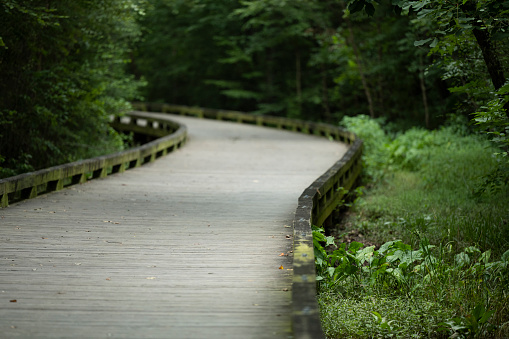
point(29, 192)
point(55, 185)
point(5, 200)
point(99, 173)
point(78, 179)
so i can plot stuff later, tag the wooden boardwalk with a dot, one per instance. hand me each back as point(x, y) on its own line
point(195, 245)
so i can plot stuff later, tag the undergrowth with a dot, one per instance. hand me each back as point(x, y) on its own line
point(440, 229)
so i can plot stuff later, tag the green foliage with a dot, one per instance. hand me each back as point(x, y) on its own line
point(492, 119)
point(247, 56)
point(443, 183)
point(445, 197)
point(180, 48)
point(461, 60)
point(375, 143)
point(63, 68)
point(473, 325)
point(423, 276)
point(379, 316)
point(433, 154)
point(317, 60)
point(469, 45)
point(457, 17)
point(290, 58)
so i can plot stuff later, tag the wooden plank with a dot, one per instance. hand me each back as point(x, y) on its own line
point(186, 247)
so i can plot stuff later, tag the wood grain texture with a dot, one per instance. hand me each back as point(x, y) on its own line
point(186, 247)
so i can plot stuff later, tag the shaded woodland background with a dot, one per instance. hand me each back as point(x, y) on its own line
point(67, 65)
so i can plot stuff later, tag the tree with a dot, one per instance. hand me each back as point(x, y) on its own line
point(287, 58)
point(183, 44)
point(461, 30)
point(62, 66)
point(483, 19)
point(486, 20)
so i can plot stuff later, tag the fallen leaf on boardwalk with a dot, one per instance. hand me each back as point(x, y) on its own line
point(288, 236)
point(13, 301)
point(285, 290)
point(283, 255)
point(108, 278)
point(281, 267)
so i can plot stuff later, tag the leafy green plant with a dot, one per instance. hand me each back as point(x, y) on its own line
point(394, 263)
point(387, 325)
point(426, 273)
point(400, 317)
point(474, 324)
point(375, 141)
point(454, 243)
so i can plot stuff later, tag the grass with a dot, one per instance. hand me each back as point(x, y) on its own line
point(404, 317)
point(448, 275)
point(405, 208)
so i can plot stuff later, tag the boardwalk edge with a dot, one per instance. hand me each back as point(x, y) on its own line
point(315, 205)
point(168, 135)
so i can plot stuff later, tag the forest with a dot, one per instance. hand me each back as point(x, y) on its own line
point(423, 82)
point(67, 65)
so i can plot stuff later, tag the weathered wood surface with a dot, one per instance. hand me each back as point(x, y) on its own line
point(169, 134)
point(186, 247)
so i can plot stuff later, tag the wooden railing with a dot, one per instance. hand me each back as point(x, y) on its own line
point(169, 136)
point(315, 204)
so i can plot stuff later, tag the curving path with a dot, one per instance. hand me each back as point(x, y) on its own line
point(189, 246)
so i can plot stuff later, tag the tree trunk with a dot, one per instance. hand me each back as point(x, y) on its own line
point(358, 60)
point(325, 95)
point(423, 91)
point(298, 81)
point(381, 87)
point(491, 59)
point(270, 71)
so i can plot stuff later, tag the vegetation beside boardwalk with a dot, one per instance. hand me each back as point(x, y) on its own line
point(424, 251)
point(63, 71)
point(67, 66)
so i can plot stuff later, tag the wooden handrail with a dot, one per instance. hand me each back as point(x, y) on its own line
point(315, 204)
point(28, 185)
